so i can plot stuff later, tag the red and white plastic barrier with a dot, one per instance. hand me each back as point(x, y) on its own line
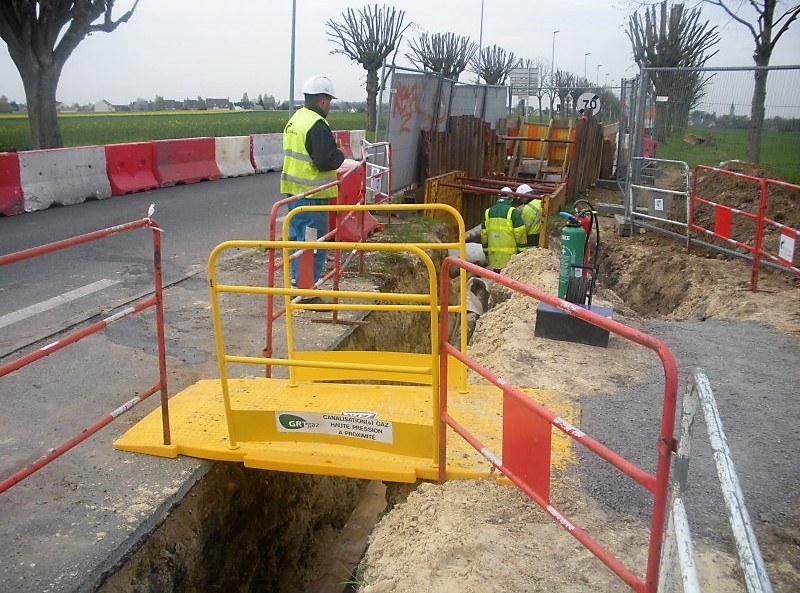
point(232, 154)
point(267, 152)
point(62, 176)
point(37, 179)
point(10, 188)
point(187, 160)
point(131, 167)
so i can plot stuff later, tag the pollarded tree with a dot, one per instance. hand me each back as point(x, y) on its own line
point(41, 35)
point(493, 64)
point(447, 54)
point(673, 38)
point(565, 82)
point(368, 37)
point(766, 33)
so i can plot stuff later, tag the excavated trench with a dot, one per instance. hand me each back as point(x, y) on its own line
point(247, 530)
point(254, 531)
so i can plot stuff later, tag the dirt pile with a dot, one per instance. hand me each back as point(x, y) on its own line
point(477, 536)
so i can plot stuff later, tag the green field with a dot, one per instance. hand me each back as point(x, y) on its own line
point(112, 128)
point(780, 151)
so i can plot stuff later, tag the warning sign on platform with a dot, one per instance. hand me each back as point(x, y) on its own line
point(357, 426)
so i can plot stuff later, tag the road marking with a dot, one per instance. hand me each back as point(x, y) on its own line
point(56, 301)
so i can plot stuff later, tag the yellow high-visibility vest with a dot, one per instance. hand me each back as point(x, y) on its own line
point(299, 173)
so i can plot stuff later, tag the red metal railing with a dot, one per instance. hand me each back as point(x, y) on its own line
point(656, 484)
point(156, 301)
point(724, 216)
point(372, 174)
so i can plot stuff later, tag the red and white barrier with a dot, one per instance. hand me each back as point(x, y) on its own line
point(131, 167)
point(187, 160)
point(267, 152)
point(10, 188)
point(232, 154)
point(62, 176)
point(356, 136)
point(343, 140)
point(37, 179)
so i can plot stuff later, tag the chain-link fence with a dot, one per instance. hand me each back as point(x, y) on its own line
point(695, 155)
point(706, 116)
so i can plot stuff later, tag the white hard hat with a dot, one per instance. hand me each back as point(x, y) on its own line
point(524, 189)
point(319, 85)
point(504, 193)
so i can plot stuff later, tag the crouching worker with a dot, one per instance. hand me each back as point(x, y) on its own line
point(502, 231)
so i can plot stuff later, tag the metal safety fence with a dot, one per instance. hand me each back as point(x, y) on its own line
point(523, 416)
point(712, 115)
point(154, 301)
point(723, 209)
point(367, 183)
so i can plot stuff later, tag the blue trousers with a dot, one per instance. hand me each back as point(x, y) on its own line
point(297, 231)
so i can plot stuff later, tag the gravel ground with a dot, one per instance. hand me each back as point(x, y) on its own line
point(756, 393)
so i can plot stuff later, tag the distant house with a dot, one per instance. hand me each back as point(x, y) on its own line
point(219, 104)
point(103, 106)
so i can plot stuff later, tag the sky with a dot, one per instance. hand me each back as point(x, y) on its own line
point(180, 49)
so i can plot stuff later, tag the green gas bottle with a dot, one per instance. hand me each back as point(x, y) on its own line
point(573, 242)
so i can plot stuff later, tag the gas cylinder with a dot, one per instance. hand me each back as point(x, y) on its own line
point(573, 241)
point(585, 221)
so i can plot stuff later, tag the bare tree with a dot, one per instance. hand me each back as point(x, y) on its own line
point(493, 64)
point(766, 33)
point(368, 37)
point(41, 35)
point(447, 54)
point(672, 38)
point(564, 85)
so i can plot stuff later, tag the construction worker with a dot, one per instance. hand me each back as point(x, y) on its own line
point(310, 159)
point(502, 231)
point(531, 211)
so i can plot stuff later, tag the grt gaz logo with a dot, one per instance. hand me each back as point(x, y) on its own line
point(292, 422)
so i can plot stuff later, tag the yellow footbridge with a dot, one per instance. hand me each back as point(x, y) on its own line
point(360, 414)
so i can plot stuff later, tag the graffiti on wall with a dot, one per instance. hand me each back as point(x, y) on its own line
point(405, 105)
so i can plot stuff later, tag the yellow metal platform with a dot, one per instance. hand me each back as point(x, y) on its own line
point(340, 429)
point(359, 414)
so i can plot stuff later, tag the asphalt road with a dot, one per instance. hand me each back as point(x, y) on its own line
point(195, 218)
point(63, 526)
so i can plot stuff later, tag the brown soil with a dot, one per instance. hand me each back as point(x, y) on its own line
point(478, 536)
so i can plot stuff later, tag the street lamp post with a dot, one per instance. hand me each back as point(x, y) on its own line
point(597, 76)
point(291, 59)
point(480, 35)
point(553, 60)
point(584, 63)
point(606, 84)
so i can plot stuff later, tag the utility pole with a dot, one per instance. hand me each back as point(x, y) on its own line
point(291, 60)
point(553, 60)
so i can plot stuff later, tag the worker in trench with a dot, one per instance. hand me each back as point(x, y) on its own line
point(503, 232)
point(531, 211)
